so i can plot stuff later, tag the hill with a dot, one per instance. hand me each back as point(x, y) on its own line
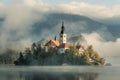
point(76, 24)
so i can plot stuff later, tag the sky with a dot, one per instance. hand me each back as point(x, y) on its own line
point(95, 2)
point(89, 8)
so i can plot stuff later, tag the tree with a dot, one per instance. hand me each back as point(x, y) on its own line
point(92, 54)
point(28, 56)
point(21, 58)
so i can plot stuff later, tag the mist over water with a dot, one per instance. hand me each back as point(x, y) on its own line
point(59, 73)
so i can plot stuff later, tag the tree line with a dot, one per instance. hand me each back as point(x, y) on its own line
point(36, 55)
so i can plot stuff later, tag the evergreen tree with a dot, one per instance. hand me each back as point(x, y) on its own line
point(21, 58)
point(28, 57)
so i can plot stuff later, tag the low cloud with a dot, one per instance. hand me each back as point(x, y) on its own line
point(105, 49)
point(90, 10)
point(80, 8)
point(15, 29)
point(73, 7)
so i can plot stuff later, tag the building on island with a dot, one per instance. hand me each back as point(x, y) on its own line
point(61, 45)
point(63, 40)
point(52, 43)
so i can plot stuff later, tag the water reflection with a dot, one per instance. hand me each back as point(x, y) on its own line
point(61, 76)
point(59, 73)
point(49, 73)
point(47, 76)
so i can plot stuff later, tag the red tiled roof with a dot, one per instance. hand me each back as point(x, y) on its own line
point(55, 42)
point(64, 45)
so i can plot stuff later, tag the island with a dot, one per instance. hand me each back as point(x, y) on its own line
point(59, 52)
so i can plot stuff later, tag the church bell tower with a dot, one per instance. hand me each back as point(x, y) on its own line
point(63, 35)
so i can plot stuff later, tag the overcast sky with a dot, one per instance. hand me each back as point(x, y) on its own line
point(95, 2)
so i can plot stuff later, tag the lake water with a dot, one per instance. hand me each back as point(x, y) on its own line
point(59, 72)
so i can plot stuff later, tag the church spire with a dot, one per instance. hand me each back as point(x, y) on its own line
point(62, 23)
point(63, 35)
point(62, 28)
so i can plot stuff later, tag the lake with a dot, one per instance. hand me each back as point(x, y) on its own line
point(10, 72)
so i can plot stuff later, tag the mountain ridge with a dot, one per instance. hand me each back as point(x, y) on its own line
point(81, 24)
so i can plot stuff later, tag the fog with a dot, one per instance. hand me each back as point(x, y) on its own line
point(16, 27)
point(59, 73)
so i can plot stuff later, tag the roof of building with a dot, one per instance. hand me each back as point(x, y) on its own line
point(64, 45)
point(55, 42)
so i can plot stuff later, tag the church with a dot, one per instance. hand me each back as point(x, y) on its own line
point(60, 45)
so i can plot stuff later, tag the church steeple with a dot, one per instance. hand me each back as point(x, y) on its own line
point(62, 28)
point(63, 35)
